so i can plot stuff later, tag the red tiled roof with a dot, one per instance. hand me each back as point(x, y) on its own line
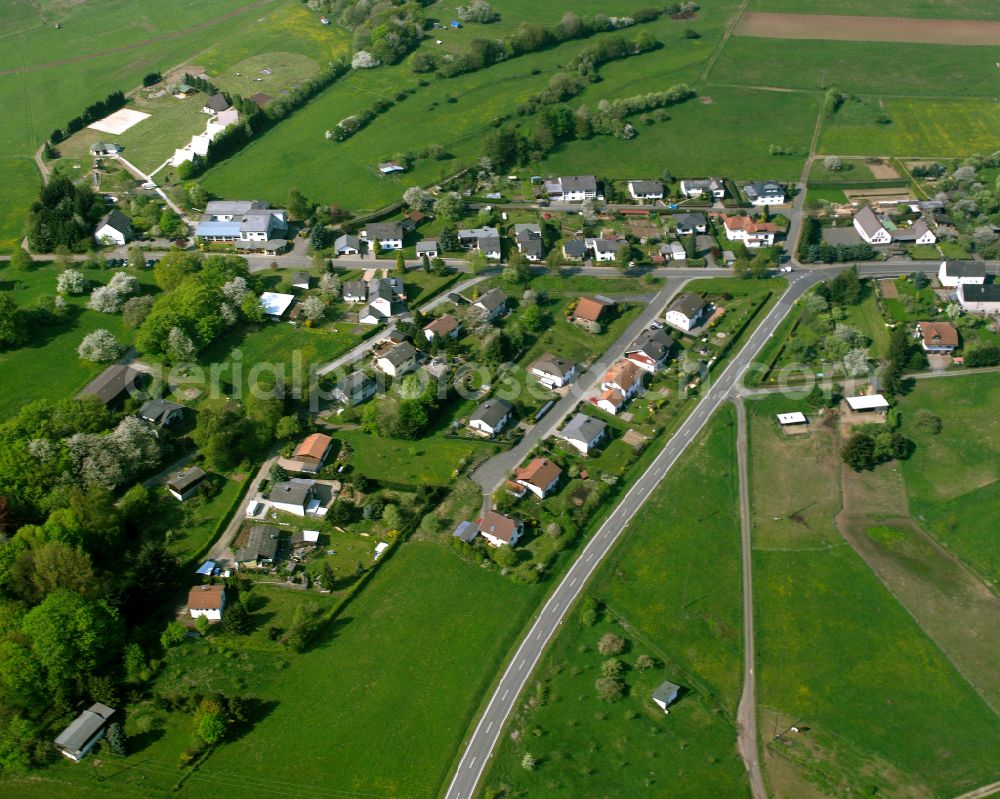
point(589, 309)
point(206, 597)
point(540, 472)
point(938, 334)
point(313, 446)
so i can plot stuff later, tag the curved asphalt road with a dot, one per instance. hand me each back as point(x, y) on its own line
point(487, 731)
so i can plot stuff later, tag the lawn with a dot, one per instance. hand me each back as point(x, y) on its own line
point(919, 127)
point(867, 68)
point(190, 526)
point(48, 367)
point(953, 478)
point(838, 654)
point(687, 619)
point(851, 171)
point(21, 182)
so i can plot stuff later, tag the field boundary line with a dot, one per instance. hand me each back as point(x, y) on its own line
point(703, 77)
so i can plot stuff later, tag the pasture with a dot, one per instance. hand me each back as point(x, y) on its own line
point(686, 618)
point(839, 654)
point(21, 181)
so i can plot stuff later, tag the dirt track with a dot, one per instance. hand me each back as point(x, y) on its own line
point(868, 29)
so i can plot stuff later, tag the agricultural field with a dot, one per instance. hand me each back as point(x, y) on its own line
point(20, 180)
point(922, 9)
point(883, 705)
point(688, 620)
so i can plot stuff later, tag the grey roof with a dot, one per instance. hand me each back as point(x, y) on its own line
point(646, 186)
point(300, 277)
point(383, 230)
point(428, 245)
point(691, 220)
point(293, 492)
point(117, 220)
point(553, 365)
point(259, 220)
point(584, 428)
point(157, 410)
point(84, 727)
point(355, 288)
point(690, 304)
point(531, 247)
point(380, 288)
point(666, 692)
point(475, 233)
point(705, 184)
point(492, 412)
point(466, 531)
point(356, 380)
point(488, 243)
point(492, 299)
point(578, 183)
point(575, 248)
point(185, 478)
point(526, 231)
point(965, 268)
point(609, 245)
point(347, 240)
point(988, 292)
point(869, 221)
point(271, 245)
point(233, 207)
point(262, 544)
point(768, 188)
point(217, 102)
point(400, 354)
point(911, 233)
point(110, 384)
point(654, 343)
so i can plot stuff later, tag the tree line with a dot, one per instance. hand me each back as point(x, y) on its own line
point(91, 113)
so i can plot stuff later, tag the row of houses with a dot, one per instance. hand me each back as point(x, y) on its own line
point(577, 188)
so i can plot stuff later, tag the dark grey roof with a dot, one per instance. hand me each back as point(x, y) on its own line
point(492, 299)
point(293, 492)
point(347, 240)
point(690, 304)
point(578, 183)
point(646, 186)
point(531, 247)
point(355, 288)
point(355, 381)
point(965, 268)
point(233, 207)
point(110, 384)
point(428, 245)
point(654, 343)
point(262, 543)
point(383, 230)
point(185, 478)
point(553, 365)
point(217, 102)
point(492, 412)
point(488, 243)
point(526, 231)
point(691, 220)
point(988, 292)
point(584, 428)
point(609, 245)
point(769, 188)
point(380, 288)
point(157, 410)
point(575, 248)
point(300, 277)
point(117, 220)
point(666, 692)
point(84, 727)
point(466, 531)
point(400, 354)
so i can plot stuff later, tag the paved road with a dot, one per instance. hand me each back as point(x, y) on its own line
point(480, 746)
point(746, 713)
point(493, 472)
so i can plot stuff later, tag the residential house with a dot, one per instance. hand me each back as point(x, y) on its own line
point(528, 237)
point(399, 360)
point(388, 235)
point(610, 400)
point(113, 228)
point(252, 223)
point(355, 291)
point(936, 337)
point(606, 249)
point(208, 601)
point(574, 249)
point(494, 302)
point(261, 546)
point(184, 484)
point(666, 694)
point(916, 233)
point(645, 190)
point(687, 311)
point(650, 350)
point(552, 371)
point(215, 104)
point(100, 148)
point(870, 227)
point(385, 300)
point(572, 189)
point(768, 193)
point(623, 376)
point(952, 274)
point(446, 326)
point(584, 432)
point(113, 384)
point(84, 731)
point(346, 244)
point(984, 298)
point(300, 280)
point(354, 389)
point(500, 530)
point(592, 309)
point(428, 247)
point(161, 412)
point(485, 239)
point(700, 187)
point(296, 496)
point(313, 451)
point(540, 476)
point(275, 305)
point(690, 223)
point(492, 416)
point(752, 234)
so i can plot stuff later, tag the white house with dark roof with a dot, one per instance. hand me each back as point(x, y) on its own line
point(388, 235)
point(494, 302)
point(399, 360)
point(574, 249)
point(979, 298)
point(500, 530)
point(354, 389)
point(346, 244)
point(528, 237)
point(113, 228)
point(690, 223)
point(492, 416)
point(215, 104)
point(953, 274)
point(572, 189)
point(645, 190)
point(700, 187)
point(606, 249)
point(650, 350)
point(486, 239)
point(552, 371)
point(355, 291)
point(687, 311)
point(768, 193)
point(161, 412)
point(584, 433)
point(184, 484)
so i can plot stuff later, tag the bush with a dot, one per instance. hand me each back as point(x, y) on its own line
point(609, 689)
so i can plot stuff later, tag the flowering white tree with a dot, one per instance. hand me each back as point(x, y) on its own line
point(418, 199)
point(99, 346)
point(71, 281)
point(364, 60)
point(180, 348)
point(116, 458)
point(228, 314)
point(832, 163)
point(110, 298)
point(856, 361)
point(313, 308)
point(329, 285)
point(236, 290)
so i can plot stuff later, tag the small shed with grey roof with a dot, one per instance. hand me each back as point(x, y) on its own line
point(466, 531)
point(666, 694)
point(84, 731)
point(113, 384)
point(161, 412)
point(184, 484)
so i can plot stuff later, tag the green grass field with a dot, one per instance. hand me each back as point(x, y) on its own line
point(836, 651)
point(21, 181)
point(870, 68)
point(850, 172)
point(919, 127)
point(953, 478)
point(688, 619)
